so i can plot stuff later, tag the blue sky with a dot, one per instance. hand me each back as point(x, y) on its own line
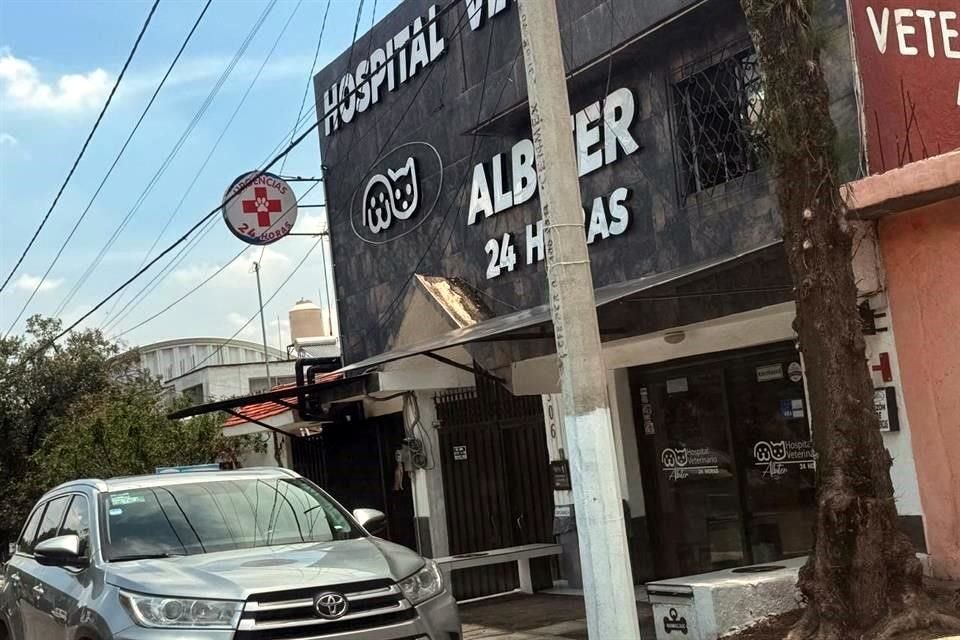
point(58, 61)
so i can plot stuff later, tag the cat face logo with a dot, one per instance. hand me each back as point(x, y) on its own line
point(398, 193)
point(778, 450)
point(392, 196)
point(682, 457)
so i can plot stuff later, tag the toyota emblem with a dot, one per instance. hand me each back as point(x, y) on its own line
point(330, 605)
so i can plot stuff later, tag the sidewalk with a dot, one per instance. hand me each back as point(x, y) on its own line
point(536, 617)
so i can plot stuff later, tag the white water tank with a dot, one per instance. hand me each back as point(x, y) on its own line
point(306, 321)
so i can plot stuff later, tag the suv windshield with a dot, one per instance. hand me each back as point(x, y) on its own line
point(218, 515)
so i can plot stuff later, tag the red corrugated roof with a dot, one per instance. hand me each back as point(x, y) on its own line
point(263, 410)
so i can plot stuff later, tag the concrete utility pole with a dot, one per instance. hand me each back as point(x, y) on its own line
point(604, 556)
point(263, 325)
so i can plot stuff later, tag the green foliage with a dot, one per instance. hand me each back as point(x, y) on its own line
point(125, 431)
point(81, 410)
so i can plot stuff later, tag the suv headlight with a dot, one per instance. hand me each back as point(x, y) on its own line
point(424, 584)
point(182, 613)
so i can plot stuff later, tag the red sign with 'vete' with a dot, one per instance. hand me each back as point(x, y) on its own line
point(908, 57)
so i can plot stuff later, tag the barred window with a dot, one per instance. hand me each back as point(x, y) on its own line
point(718, 121)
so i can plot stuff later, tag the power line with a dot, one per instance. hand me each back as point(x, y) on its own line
point(313, 66)
point(151, 285)
point(83, 149)
point(170, 156)
point(211, 276)
point(181, 255)
point(41, 348)
point(156, 280)
point(260, 308)
point(387, 314)
point(204, 219)
point(116, 160)
point(319, 240)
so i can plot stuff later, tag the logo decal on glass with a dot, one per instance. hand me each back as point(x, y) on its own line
point(774, 457)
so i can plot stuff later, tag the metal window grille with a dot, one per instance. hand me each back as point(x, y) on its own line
point(718, 109)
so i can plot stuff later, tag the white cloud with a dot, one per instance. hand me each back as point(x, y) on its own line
point(193, 274)
point(311, 224)
point(236, 319)
point(283, 323)
point(197, 71)
point(23, 88)
point(7, 139)
point(26, 282)
point(250, 332)
point(272, 265)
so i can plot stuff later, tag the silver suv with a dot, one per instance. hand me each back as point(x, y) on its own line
point(233, 555)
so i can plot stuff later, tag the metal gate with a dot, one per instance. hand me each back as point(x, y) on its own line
point(496, 481)
point(308, 458)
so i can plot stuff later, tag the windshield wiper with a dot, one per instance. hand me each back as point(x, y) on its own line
point(146, 556)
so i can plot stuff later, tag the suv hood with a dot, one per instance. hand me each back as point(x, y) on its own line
point(235, 575)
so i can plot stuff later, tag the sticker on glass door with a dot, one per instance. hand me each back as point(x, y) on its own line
point(775, 458)
point(680, 464)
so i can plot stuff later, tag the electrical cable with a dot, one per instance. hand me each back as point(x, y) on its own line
point(172, 154)
point(183, 238)
point(83, 149)
point(174, 262)
point(260, 309)
point(458, 29)
point(151, 285)
point(177, 259)
point(204, 219)
point(353, 43)
point(203, 166)
point(313, 66)
point(210, 277)
point(387, 314)
point(116, 160)
point(356, 27)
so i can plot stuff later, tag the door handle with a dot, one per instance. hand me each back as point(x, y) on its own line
point(15, 578)
point(38, 590)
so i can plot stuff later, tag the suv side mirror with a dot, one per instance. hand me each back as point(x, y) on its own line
point(375, 522)
point(62, 551)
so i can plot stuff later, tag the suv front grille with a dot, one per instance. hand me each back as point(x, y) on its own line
point(290, 615)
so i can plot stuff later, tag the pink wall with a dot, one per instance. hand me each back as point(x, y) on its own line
point(921, 251)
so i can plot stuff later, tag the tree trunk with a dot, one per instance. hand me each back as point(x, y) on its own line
point(863, 573)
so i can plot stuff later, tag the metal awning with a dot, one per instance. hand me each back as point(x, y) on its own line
point(505, 327)
point(332, 390)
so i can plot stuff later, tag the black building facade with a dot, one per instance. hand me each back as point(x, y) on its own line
point(667, 99)
point(429, 177)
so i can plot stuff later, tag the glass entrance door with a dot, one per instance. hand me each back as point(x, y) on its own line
point(772, 442)
point(728, 466)
point(690, 475)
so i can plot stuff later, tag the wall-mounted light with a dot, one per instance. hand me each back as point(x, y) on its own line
point(675, 337)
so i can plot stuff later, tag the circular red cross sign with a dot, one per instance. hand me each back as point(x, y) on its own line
point(259, 209)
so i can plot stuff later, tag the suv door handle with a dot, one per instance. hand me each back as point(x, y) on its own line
point(38, 590)
point(15, 578)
